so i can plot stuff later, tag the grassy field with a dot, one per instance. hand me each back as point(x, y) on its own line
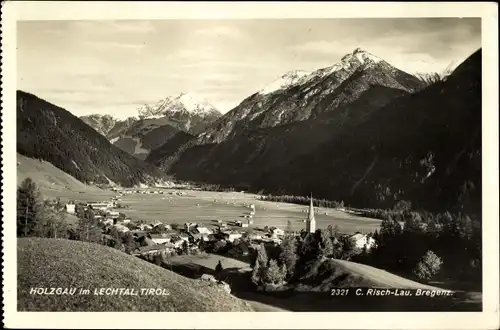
point(56, 263)
point(206, 207)
point(53, 182)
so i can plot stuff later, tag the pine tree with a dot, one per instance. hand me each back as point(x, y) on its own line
point(218, 269)
point(28, 207)
point(288, 255)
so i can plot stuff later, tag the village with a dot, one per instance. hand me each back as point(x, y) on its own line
point(237, 238)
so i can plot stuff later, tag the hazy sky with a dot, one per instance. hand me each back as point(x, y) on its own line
point(114, 67)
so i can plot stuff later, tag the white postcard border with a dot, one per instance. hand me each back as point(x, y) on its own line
point(40, 10)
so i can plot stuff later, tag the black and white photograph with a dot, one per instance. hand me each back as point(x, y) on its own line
point(314, 164)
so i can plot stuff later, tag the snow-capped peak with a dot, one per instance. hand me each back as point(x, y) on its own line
point(360, 57)
point(289, 79)
point(349, 62)
point(183, 102)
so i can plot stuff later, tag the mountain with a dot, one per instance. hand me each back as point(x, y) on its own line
point(360, 131)
point(299, 95)
point(155, 124)
point(191, 116)
point(141, 136)
point(286, 119)
point(101, 123)
point(48, 132)
point(424, 147)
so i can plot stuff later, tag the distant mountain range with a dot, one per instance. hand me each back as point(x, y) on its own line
point(155, 123)
point(361, 130)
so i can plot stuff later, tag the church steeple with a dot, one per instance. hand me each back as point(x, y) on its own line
point(311, 222)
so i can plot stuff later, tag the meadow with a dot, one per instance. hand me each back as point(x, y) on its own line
point(206, 207)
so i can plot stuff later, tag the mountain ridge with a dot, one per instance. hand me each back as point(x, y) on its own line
point(46, 131)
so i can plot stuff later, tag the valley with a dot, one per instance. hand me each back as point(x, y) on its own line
point(205, 207)
point(313, 192)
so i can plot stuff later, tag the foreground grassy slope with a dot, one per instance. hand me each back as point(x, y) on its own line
point(336, 273)
point(53, 263)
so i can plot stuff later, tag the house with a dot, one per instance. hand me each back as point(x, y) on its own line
point(153, 249)
point(145, 241)
point(361, 240)
point(231, 236)
point(277, 231)
point(121, 228)
point(160, 239)
point(145, 227)
point(255, 237)
point(202, 230)
point(177, 242)
point(113, 214)
point(108, 222)
point(155, 223)
point(241, 249)
point(70, 208)
point(184, 237)
point(100, 206)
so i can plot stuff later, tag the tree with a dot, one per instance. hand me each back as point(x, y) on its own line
point(218, 269)
point(219, 246)
point(51, 222)
point(428, 266)
point(185, 247)
point(28, 207)
point(333, 232)
point(260, 265)
point(129, 243)
point(87, 227)
point(325, 244)
point(288, 255)
point(309, 247)
point(402, 206)
point(274, 274)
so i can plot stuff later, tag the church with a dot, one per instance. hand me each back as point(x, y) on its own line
point(311, 222)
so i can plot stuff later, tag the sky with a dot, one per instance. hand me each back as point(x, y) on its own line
point(114, 67)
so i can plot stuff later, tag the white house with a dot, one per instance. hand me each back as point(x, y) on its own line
point(362, 240)
point(113, 213)
point(108, 222)
point(277, 231)
point(231, 236)
point(160, 239)
point(121, 228)
point(144, 226)
point(202, 230)
point(100, 206)
point(70, 208)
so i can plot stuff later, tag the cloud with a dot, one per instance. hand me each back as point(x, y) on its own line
point(220, 31)
point(319, 46)
point(115, 45)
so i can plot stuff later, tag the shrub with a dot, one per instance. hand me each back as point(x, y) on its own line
point(428, 266)
point(219, 246)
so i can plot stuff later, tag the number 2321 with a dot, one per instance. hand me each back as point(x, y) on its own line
point(339, 292)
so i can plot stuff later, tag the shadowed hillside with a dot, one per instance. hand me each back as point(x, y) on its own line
point(48, 132)
point(425, 147)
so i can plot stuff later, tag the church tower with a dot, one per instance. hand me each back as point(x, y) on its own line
point(311, 222)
